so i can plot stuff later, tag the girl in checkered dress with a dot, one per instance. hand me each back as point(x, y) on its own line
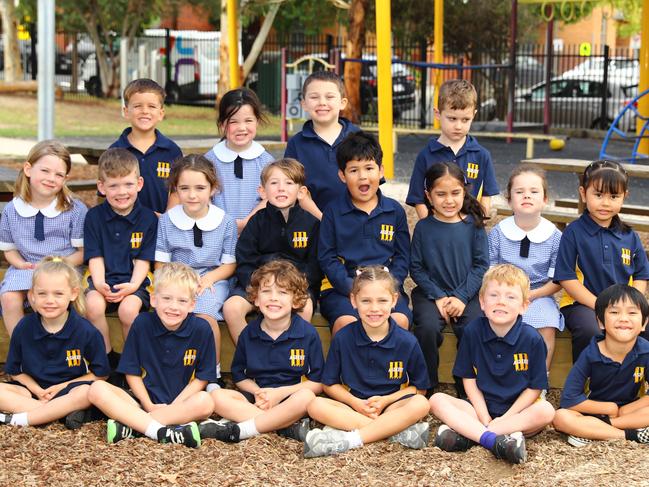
point(42, 219)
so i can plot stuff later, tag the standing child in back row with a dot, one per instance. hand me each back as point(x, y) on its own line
point(457, 105)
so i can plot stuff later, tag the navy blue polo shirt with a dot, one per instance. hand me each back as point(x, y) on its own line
point(472, 158)
point(169, 360)
point(295, 354)
point(599, 257)
point(503, 366)
point(119, 239)
point(372, 368)
point(155, 166)
point(319, 161)
point(607, 380)
point(350, 238)
point(51, 358)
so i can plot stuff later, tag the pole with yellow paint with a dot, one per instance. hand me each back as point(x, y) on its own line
point(643, 103)
point(438, 56)
point(233, 43)
point(384, 90)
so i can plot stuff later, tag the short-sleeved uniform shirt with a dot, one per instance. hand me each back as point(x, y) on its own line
point(606, 379)
point(319, 160)
point(155, 167)
point(52, 358)
point(285, 361)
point(502, 366)
point(372, 368)
point(63, 232)
point(472, 158)
point(168, 360)
point(237, 197)
point(120, 239)
point(599, 257)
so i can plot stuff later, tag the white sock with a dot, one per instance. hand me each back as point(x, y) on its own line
point(218, 370)
point(354, 438)
point(19, 419)
point(247, 429)
point(152, 429)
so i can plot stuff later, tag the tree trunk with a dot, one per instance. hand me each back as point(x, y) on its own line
point(13, 69)
point(224, 55)
point(354, 50)
point(258, 45)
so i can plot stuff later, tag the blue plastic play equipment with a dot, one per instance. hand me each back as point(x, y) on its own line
point(632, 106)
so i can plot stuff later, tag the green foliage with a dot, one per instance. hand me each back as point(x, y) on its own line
point(631, 10)
point(305, 16)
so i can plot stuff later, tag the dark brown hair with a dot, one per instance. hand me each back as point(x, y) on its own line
point(607, 177)
point(286, 276)
point(143, 85)
point(522, 169)
point(324, 75)
point(232, 102)
point(193, 162)
point(116, 163)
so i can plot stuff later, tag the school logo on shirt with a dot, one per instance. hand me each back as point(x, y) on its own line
point(472, 170)
point(638, 374)
point(626, 256)
point(136, 239)
point(387, 233)
point(73, 357)
point(396, 370)
point(297, 357)
point(300, 240)
point(521, 362)
point(164, 168)
point(190, 357)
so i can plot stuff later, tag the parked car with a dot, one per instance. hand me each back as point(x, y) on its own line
point(623, 70)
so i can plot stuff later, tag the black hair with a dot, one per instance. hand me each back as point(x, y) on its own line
point(358, 146)
point(617, 293)
point(232, 102)
point(607, 177)
point(470, 205)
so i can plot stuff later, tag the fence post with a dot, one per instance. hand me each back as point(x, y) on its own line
point(604, 108)
point(75, 63)
point(547, 107)
point(34, 56)
point(282, 102)
point(168, 56)
point(329, 39)
point(423, 47)
point(513, 51)
point(460, 68)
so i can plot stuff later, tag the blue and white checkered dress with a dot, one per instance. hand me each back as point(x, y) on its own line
point(238, 196)
point(175, 243)
point(63, 236)
point(504, 248)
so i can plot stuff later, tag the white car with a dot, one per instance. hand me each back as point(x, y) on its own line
point(622, 70)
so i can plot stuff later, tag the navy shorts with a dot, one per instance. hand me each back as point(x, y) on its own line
point(333, 305)
point(61, 393)
point(141, 293)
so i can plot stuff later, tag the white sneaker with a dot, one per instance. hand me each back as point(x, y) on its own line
point(414, 436)
point(319, 443)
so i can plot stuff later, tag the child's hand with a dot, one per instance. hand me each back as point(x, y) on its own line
point(495, 421)
point(124, 289)
point(379, 403)
point(454, 307)
point(267, 398)
point(52, 391)
point(204, 284)
point(363, 407)
point(441, 307)
point(103, 289)
point(484, 419)
point(25, 266)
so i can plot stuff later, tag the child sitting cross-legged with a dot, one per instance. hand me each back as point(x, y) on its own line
point(600, 399)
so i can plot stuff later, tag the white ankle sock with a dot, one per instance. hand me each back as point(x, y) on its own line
point(152, 429)
point(218, 370)
point(247, 429)
point(19, 419)
point(354, 438)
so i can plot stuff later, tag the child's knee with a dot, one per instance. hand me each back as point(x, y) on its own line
point(304, 397)
point(315, 406)
point(545, 412)
point(437, 401)
point(79, 396)
point(97, 391)
point(12, 301)
point(419, 404)
point(204, 404)
point(562, 417)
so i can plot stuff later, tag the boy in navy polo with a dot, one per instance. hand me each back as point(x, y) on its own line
point(276, 365)
point(323, 98)
point(502, 363)
point(600, 397)
point(144, 109)
point(281, 230)
point(361, 227)
point(119, 237)
point(168, 359)
point(457, 106)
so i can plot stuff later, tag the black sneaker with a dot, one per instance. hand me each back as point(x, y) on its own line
point(76, 419)
point(510, 448)
point(116, 431)
point(222, 430)
point(6, 418)
point(450, 440)
point(297, 431)
point(643, 435)
point(186, 434)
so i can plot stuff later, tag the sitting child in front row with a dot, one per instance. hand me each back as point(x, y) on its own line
point(168, 359)
point(502, 363)
point(614, 367)
point(375, 375)
point(276, 365)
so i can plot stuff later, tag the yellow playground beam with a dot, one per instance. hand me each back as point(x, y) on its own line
point(233, 43)
point(438, 56)
point(643, 105)
point(384, 90)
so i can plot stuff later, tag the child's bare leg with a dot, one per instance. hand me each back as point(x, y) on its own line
point(235, 310)
point(286, 412)
point(233, 405)
point(530, 420)
point(336, 414)
point(117, 404)
point(457, 414)
point(128, 310)
point(198, 406)
point(12, 309)
point(96, 314)
point(401, 320)
point(577, 424)
point(396, 417)
point(16, 399)
point(217, 334)
point(549, 335)
point(341, 322)
point(60, 407)
point(307, 311)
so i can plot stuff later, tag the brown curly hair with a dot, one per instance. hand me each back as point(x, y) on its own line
point(286, 276)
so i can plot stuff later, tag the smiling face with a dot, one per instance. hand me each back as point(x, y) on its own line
point(623, 321)
point(46, 177)
point(194, 193)
point(144, 111)
point(323, 102)
point(240, 129)
point(602, 206)
point(275, 302)
point(362, 179)
point(446, 197)
point(172, 303)
point(527, 196)
point(121, 191)
point(374, 302)
point(51, 294)
point(502, 303)
point(280, 190)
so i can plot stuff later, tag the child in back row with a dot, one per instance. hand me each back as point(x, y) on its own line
point(457, 105)
point(359, 228)
point(120, 237)
point(237, 158)
point(323, 98)
point(281, 230)
point(144, 109)
point(600, 397)
point(44, 218)
point(448, 258)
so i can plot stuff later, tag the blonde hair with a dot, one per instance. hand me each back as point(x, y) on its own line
point(291, 168)
point(507, 274)
point(40, 150)
point(374, 273)
point(176, 273)
point(286, 276)
point(117, 163)
point(53, 264)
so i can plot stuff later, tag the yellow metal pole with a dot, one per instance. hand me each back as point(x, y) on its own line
point(643, 105)
point(233, 43)
point(384, 90)
point(438, 57)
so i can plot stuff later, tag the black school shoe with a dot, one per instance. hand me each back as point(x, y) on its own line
point(450, 440)
point(222, 430)
point(297, 431)
point(185, 434)
point(510, 448)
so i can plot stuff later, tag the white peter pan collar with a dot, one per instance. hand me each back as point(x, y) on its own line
point(224, 154)
point(26, 210)
point(541, 233)
point(209, 222)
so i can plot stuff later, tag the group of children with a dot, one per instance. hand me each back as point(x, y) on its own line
point(234, 231)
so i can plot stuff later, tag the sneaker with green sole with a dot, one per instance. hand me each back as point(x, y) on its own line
point(116, 431)
point(184, 434)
